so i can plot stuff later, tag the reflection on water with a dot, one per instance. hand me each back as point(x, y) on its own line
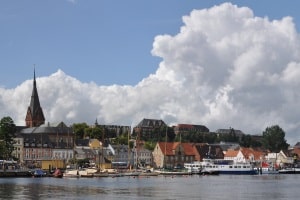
point(181, 187)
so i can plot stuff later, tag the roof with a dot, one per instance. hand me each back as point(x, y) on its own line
point(209, 151)
point(297, 145)
point(168, 148)
point(46, 129)
point(231, 153)
point(151, 123)
point(35, 108)
point(192, 126)
point(247, 152)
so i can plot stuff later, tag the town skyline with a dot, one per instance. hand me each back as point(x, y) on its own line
point(235, 74)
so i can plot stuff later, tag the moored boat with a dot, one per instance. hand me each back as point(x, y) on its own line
point(267, 168)
point(131, 173)
point(71, 173)
point(57, 173)
point(209, 171)
point(290, 170)
point(101, 174)
point(226, 167)
point(39, 173)
point(193, 168)
point(148, 173)
point(173, 172)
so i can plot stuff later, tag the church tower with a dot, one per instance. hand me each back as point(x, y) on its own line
point(35, 116)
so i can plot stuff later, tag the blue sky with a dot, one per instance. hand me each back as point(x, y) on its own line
point(107, 42)
point(233, 64)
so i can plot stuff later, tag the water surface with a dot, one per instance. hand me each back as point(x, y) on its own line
point(168, 188)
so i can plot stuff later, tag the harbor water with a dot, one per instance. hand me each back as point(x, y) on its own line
point(246, 187)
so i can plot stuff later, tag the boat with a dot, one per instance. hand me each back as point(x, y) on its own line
point(71, 173)
point(131, 173)
point(39, 173)
point(76, 173)
point(148, 173)
point(173, 172)
point(101, 174)
point(214, 166)
point(193, 168)
point(57, 173)
point(209, 171)
point(267, 168)
point(289, 170)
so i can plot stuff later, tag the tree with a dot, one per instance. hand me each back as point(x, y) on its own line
point(274, 139)
point(93, 133)
point(7, 134)
point(79, 130)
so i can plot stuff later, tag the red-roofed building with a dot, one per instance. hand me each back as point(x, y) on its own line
point(172, 154)
point(244, 155)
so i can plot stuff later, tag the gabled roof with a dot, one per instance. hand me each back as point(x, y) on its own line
point(231, 153)
point(247, 152)
point(297, 145)
point(168, 148)
point(188, 149)
point(46, 129)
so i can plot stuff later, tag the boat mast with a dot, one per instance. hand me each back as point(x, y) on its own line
point(128, 144)
point(165, 155)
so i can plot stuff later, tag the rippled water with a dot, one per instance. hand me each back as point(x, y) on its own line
point(181, 187)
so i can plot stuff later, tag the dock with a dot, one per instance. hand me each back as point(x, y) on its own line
point(14, 173)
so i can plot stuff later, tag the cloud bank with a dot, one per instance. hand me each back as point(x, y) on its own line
point(225, 68)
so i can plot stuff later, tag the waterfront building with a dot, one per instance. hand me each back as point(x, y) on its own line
point(142, 157)
point(94, 151)
point(123, 154)
point(47, 145)
point(244, 155)
point(18, 148)
point(172, 154)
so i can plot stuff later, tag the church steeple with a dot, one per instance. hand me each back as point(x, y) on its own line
point(35, 116)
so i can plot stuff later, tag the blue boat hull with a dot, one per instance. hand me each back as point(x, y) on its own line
point(251, 172)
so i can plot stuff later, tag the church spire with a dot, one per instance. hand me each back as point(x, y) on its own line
point(35, 116)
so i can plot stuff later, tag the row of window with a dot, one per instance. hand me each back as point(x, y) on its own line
point(182, 158)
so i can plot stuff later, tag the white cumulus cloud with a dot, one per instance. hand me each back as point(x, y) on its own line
point(224, 68)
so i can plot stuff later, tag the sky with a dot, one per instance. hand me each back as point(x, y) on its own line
point(214, 63)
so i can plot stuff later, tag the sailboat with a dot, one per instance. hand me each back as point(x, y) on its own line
point(132, 172)
point(170, 172)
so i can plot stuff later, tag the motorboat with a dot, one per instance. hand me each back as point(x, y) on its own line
point(224, 167)
point(57, 173)
point(39, 173)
